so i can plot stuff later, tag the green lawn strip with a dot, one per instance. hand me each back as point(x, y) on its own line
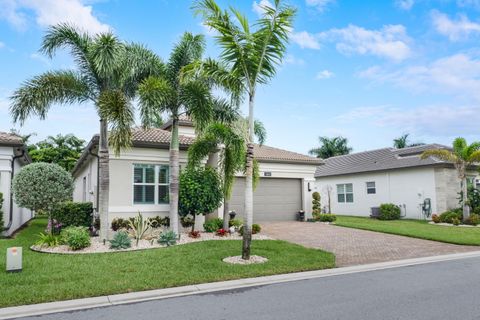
point(51, 277)
point(414, 229)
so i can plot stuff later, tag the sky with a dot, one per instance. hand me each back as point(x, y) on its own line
point(366, 70)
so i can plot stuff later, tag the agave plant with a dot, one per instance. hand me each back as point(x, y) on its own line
point(140, 227)
point(168, 238)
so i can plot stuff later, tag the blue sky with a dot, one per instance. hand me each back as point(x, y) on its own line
point(367, 70)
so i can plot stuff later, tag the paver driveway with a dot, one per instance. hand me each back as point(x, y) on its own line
point(355, 246)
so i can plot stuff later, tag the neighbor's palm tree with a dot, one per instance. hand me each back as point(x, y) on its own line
point(249, 58)
point(331, 147)
point(107, 73)
point(403, 142)
point(462, 156)
point(175, 94)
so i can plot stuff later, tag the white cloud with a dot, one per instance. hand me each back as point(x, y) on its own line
point(391, 41)
point(324, 74)
point(2, 45)
point(458, 75)
point(291, 59)
point(39, 57)
point(257, 7)
point(455, 30)
point(207, 30)
point(305, 40)
point(404, 4)
point(469, 3)
point(50, 12)
point(320, 5)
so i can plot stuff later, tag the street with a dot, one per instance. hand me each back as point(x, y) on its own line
point(442, 290)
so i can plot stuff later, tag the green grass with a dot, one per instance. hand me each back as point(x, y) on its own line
point(414, 229)
point(51, 277)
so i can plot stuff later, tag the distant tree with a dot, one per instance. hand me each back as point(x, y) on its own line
point(331, 147)
point(403, 142)
point(63, 150)
point(462, 156)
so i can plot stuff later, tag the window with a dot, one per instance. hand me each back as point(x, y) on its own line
point(345, 193)
point(371, 187)
point(150, 184)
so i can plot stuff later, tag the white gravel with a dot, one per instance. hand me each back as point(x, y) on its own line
point(239, 260)
point(452, 225)
point(98, 247)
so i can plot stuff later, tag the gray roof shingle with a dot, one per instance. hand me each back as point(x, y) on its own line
point(10, 139)
point(378, 160)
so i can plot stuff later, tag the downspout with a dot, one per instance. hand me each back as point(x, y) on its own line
point(98, 178)
point(10, 214)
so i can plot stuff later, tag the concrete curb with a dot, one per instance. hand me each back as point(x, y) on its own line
point(111, 300)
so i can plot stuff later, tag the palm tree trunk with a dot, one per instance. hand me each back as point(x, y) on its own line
point(174, 173)
point(226, 206)
point(248, 214)
point(104, 180)
point(466, 208)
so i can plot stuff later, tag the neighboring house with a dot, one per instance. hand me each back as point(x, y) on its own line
point(13, 156)
point(363, 180)
point(139, 177)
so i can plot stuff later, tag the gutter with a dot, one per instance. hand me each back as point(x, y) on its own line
point(10, 214)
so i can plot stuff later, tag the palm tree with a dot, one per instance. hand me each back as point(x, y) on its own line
point(462, 156)
point(331, 147)
point(249, 57)
point(100, 77)
point(170, 91)
point(402, 142)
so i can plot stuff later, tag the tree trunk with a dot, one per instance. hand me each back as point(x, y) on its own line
point(104, 180)
point(226, 206)
point(248, 214)
point(174, 173)
point(466, 208)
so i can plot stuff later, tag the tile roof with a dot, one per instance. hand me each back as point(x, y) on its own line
point(378, 160)
point(157, 136)
point(10, 139)
point(271, 154)
point(183, 120)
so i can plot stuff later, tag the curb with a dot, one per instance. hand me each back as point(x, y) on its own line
point(125, 298)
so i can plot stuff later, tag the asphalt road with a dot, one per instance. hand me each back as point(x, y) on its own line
point(443, 290)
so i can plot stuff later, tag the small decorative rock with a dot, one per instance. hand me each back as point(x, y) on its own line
point(239, 260)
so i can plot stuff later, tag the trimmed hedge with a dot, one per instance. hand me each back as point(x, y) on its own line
point(78, 214)
point(389, 211)
point(451, 216)
point(325, 217)
point(213, 225)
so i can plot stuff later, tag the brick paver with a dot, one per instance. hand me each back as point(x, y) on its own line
point(355, 246)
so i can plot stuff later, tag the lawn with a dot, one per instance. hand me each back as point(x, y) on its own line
point(414, 229)
point(51, 277)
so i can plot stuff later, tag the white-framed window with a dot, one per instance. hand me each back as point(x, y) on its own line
point(345, 193)
point(371, 189)
point(150, 184)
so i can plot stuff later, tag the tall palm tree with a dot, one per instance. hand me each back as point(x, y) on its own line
point(403, 142)
point(331, 147)
point(250, 56)
point(100, 77)
point(169, 91)
point(462, 155)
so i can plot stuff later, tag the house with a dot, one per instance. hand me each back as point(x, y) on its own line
point(360, 181)
point(13, 156)
point(139, 177)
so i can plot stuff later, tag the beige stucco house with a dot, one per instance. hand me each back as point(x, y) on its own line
point(359, 181)
point(139, 177)
point(13, 156)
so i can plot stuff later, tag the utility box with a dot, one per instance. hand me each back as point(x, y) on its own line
point(14, 259)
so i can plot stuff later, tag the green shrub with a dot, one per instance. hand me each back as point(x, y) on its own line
point(473, 220)
point(213, 225)
point(325, 217)
point(168, 238)
point(158, 222)
point(316, 203)
point(120, 223)
point(436, 218)
point(456, 221)
point(255, 229)
point(48, 240)
point(120, 240)
point(79, 214)
point(389, 211)
point(449, 216)
point(237, 223)
point(76, 237)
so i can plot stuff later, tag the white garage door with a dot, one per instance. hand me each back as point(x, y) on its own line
point(274, 199)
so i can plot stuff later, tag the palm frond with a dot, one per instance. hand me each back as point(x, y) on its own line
point(260, 131)
point(156, 96)
point(107, 54)
point(459, 146)
point(200, 149)
point(36, 96)
point(224, 111)
point(441, 154)
point(195, 97)
point(190, 48)
point(474, 157)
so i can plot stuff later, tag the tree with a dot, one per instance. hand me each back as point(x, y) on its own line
point(169, 91)
point(249, 57)
point(63, 150)
point(200, 192)
point(462, 155)
point(42, 186)
point(403, 142)
point(107, 73)
point(331, 147)
point(316, 204)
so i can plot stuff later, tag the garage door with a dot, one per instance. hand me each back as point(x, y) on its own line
point(274, 199)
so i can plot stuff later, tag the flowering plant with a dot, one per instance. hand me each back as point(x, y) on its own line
point(222, 232)
point(194, 234)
